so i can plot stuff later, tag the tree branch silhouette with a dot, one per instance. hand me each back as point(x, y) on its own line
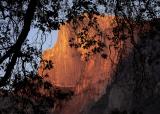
point(15, 50)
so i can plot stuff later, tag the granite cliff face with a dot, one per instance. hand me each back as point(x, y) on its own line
point(69, 67)
point(89, 79)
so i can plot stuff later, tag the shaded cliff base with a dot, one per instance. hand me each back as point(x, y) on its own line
point(136, 87)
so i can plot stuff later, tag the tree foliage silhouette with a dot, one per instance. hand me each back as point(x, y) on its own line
point(18, 16)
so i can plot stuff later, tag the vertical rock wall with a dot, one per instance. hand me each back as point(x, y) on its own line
point(90, 78)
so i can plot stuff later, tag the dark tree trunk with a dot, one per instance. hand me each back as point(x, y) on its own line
point(16, 48)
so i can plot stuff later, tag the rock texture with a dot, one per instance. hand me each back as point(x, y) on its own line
point(69, 67)
point(91, 78)
point(135, 90)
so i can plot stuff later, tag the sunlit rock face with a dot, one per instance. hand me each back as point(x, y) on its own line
point(67, 64)
point(69, 67)
point(88, 78)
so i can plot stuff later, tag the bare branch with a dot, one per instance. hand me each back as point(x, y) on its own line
point(17, 47)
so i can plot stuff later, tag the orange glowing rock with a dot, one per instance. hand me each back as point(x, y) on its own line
point(88, 78)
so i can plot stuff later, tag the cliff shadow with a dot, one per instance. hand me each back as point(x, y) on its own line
point(135, 87)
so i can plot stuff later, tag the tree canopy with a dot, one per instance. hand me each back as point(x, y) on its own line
point(19, 16)
point(19, 59)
